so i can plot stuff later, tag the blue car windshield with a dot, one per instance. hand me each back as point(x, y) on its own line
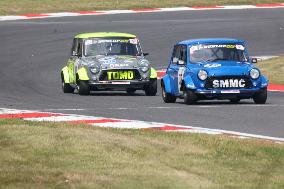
point(94, 47)
point(217, 52)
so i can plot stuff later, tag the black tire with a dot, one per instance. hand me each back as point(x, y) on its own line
point(67, 88)
point(167, 97)
point(189, 97)
point(83, 88)
point(235, 100)
point(260, 98)
point(151, 89)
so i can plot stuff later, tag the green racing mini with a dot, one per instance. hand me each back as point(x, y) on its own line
point(108, 61)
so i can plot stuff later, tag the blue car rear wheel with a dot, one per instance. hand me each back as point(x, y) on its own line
point(167, 97)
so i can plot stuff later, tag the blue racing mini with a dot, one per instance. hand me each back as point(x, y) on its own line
point(204, 69)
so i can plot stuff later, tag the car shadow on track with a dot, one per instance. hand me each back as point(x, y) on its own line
point(113, 93)
point(215, 102)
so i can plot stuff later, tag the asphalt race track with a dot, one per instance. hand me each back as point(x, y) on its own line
point(33, 52)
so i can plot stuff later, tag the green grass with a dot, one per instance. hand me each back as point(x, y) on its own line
point(58, 155)
point(15, 7)
point(273, 69)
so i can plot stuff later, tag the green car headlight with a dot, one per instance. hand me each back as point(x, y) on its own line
point(94, 69)
point(144, 65)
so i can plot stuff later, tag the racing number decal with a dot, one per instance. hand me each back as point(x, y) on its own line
point(180, 77)
point(120, 75)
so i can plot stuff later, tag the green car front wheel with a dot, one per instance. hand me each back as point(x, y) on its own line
point(67, 88)
point(83, 88)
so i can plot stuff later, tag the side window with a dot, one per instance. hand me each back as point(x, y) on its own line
point(176, 54)
point(176, 51)
point(183, 53)
point(74, 47)
point(80, 48)
point(179, 53)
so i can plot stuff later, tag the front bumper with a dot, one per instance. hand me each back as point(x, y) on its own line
point(118, 85)
point(228, 93)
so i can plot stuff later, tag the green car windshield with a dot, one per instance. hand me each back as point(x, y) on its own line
point(94, 47)
point(217, 52)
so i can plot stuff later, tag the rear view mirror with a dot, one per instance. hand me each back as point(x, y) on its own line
point(254, 60)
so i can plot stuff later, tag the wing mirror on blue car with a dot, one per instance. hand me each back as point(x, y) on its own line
point(180, 62)
point(254, 60)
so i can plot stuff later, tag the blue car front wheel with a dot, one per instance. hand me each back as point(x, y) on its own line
point(261, 97)
point(189, 96)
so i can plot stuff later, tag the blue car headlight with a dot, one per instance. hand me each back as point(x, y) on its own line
point(202, 75)
point(254, 73)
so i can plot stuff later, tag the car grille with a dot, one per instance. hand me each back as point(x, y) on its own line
point(229, 82)
point(104, 74)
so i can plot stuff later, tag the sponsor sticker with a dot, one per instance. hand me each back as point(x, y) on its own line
point(108, 60)
point(212, 65)
point(121, 83)
point(118, 65)
point(228, 46)
point(230, 91)
point(133, 41)
point(193, 49)
point(98, 41)
point(88, 42)
point(240, 47)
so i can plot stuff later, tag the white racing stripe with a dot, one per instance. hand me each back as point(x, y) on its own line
point(13, 111)
point(64, 118)
point(261, 58)
point(129, 124)
point(237, 7)
point(83, 13)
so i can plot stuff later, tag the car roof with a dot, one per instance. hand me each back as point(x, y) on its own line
point(209, 40)
point(104, 35)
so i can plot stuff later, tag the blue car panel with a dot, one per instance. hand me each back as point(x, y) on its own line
point(215, 68)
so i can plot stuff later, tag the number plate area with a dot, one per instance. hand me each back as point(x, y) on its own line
point(119, 75)
point(227, 83)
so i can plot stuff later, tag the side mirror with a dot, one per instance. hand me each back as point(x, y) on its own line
point(74, 53)
point(175, 60)
point(145, 54)
point(180, 62)
point(254, 60)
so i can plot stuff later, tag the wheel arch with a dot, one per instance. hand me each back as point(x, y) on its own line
point(188, 83)
point(65, 75)
point(82, 75)
point(165, 82)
